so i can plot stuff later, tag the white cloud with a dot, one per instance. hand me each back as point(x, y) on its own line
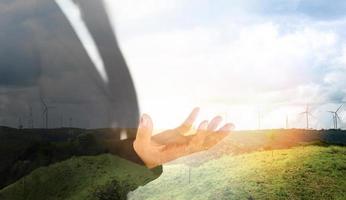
point(136, 14)
point(233, 64)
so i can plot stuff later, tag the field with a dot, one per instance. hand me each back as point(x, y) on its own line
point(266, 164)
point(307, 172)
point(310, 172)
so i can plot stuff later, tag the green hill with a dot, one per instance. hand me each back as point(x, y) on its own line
point(24, 150)
point(89, 177)
point(311, 172)
point(305, 172)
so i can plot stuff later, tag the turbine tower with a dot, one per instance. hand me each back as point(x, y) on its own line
point(45, 112)
point(61, 120)
point(336, 116)
point(31, 118)
point(306, 113)
point(20, 124)
point(70, 122)
point(259, 120)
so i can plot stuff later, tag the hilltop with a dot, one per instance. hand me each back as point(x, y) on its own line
point(85, 177)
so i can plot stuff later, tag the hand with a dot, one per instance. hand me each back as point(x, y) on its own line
point(181, 141)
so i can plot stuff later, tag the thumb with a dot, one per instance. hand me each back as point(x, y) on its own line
point(145, 128)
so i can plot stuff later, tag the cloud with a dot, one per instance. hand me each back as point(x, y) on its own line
point(276, 54)
point(314, 9)
point(134, 10)
point(237, 56)
point(16, 41)
point(276, 61)
point(321, 9)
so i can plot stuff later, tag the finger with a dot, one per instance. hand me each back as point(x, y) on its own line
point(214, 123)
point(203, 126)
point(200, 134)
point(145, 129)
point(187, 125)
point(226, 128)
point(197, 140)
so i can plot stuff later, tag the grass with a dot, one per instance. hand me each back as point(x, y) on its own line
point(76, 178)
point(306, 172)
point(310, 172)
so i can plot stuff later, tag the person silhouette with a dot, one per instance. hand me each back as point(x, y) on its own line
point(66, 53)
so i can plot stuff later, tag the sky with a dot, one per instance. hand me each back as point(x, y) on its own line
point(242, 59)
point(258, 64)
point(48, 78)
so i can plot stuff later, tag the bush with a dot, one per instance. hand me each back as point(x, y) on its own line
point(112, 191)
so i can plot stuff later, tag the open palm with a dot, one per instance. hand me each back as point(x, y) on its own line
point(174, 143)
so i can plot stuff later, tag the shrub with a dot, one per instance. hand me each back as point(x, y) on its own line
point(112, 191)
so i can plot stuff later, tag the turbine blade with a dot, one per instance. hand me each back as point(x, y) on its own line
point(339, 108)
point(42, 101)
point(312, 115)
point(338, 117)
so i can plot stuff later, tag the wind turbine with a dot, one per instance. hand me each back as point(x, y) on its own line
point(336, 116)
point(61, 121)
point(31, 118)
point(20, 124)
point(45, 111)
point(306, 113)
point(259, 120)
point(70, 122)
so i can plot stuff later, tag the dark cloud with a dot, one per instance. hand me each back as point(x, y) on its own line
point(42, 57)
point(18, 58)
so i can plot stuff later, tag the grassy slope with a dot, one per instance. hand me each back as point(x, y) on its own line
point(311, 172)
point(75, 178)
